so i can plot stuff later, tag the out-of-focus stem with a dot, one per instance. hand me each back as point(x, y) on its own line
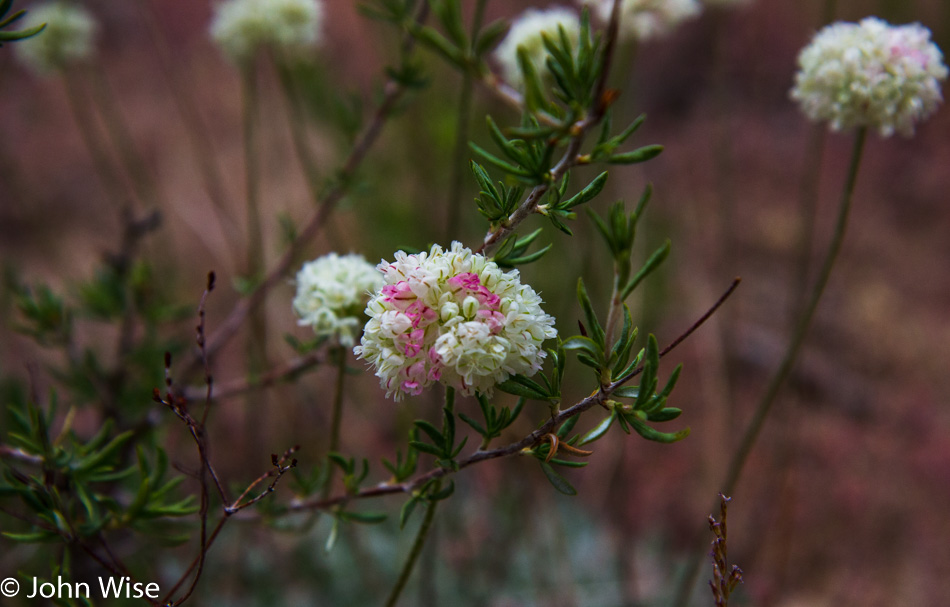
point(198, 137)
point(337, 416)
point(255, 246)
point(460, 152)
point(118, 130)
point(615, 312)
point(741, 456)
point(414, 552)
point(297, 123)
point(85, 120)
point(257, 336)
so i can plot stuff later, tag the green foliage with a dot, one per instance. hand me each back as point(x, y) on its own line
point(648, 404)
point(353, 474)
point(606, 145)
point(461, 49)
point(575, 71)
point(442, 444)
point(73, 489)
point(431, 491)
point(548, 389)
point(495, 419)
point(514, 251)
point(403, 468)
point(527, 160)
point(7, 21)
point(496, 204)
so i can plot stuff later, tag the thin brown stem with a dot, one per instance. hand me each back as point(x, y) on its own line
point(274, 376)
point(480, 455)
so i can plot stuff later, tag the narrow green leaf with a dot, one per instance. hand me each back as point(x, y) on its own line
point(498, 162)
point(587, 194)
point(406, 511)
point(436, 435)
point(560, 483)
point(630, 130)
point(491, 35)
point(586, 344)
point(451, 17)
point(665, 414)
point(651, 264)
point(364, 518)
point(654, 435)
point(638, 155)
point(432, 39)
point(426, 448)
point(97, 459)
point(598, 431)
point(567, 463)
point(593, 325)
point(33, 537)
point(567, 426)
point(512, 387)
point(533, 93)
point(443, 493)
point(474, 424)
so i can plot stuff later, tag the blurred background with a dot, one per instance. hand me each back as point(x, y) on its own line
point(846, 496)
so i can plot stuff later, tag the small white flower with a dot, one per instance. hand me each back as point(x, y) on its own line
point(452, 317)
point(526, 32)
point(870, 74)
point(67, 37)
point(332, 292)
point(644, 19)
point(242, 27)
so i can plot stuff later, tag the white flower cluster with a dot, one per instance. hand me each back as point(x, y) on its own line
point(526, 32)
point(870, 74)
point(455, 317)
point(332, 292)
point(644, 19)
point(67, 37)
point(242, 27)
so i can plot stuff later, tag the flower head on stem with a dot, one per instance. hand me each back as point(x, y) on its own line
point(242, 27)
point(331, 294)
point(452, 316)
point(67, 38)
point(641, 20)
point(870, 74)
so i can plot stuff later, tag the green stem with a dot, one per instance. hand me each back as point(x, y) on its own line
point(614, 314)
point(741, 456)
point(808, 200)
point(801, 329)
point(251, 172)
point(460, 153)
point(257, 337)
point(416, 550)
point(334, 442)
point(828, 11)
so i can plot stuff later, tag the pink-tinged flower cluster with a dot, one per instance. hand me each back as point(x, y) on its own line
point(452, 317)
